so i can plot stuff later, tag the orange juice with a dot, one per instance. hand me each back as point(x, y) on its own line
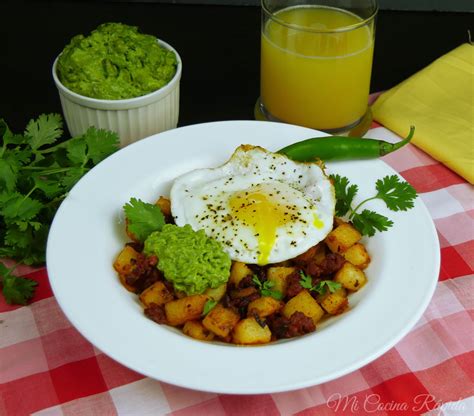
point(318, 77)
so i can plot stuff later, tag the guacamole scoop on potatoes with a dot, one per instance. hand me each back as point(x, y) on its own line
point(189, 259)
point(115, 62)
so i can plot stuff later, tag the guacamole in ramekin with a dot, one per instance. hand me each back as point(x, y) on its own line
point(115, 62)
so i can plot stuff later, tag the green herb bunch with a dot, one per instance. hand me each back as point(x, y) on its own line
point(37, 170)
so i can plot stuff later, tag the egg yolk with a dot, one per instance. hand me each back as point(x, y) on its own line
point(260, 210)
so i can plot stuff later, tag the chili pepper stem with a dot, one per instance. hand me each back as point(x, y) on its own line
point(388, 149)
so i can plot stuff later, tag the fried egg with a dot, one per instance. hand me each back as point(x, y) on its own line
point(263, 207)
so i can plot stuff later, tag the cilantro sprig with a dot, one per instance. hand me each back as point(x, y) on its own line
point(265, 288)
point(143, 218)
point(398, 196)
point(37, 170)
point(321, 287)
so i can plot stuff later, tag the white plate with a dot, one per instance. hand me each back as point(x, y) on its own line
point(88, 232)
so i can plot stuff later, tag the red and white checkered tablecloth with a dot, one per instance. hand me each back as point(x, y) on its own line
point(48, 368)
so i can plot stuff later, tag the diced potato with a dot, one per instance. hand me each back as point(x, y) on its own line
point(249, 332)
point(303, 302)
point(336, 302)
point(123, 280)
point(188, 308)
point(264, 306)
point(342, 237)
point(357, 255)
point(218, 293)
point(195, 329)
point(350, 277)
point(165, 205)
point(124, 265)
point(157, 293)
point(238, 271)
point(278, 276)
point(125, 261)
point(221, 320)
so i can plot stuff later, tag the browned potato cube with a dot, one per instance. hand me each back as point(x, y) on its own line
point(218, 293)
point(238, 271)
point(125, 261)
point(186, 309)
point(220, 320)
point(165, 205)
point(357, 255)
point(336, 302)
point(195, 329)
point(303, 302)
point(342, 237)
point(123, 280)
point(350, 277)
point(157, 293)
point(278, 275)
point(264, 306)
point(249, 332)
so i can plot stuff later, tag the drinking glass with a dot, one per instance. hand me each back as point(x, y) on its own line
point(316, 63)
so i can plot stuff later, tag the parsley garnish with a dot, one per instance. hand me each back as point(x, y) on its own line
point(143, 218)
point(265, 288)
point(397, 195)
point(37, 170)
point(208, 306)
point(321, 287)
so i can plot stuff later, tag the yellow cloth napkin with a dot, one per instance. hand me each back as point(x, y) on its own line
point(439, 102)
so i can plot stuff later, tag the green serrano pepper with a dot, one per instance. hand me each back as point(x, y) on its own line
point(341, 148)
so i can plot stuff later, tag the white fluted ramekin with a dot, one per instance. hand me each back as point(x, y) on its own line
point(133, 118)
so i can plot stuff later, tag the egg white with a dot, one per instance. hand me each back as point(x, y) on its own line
point(263, 207)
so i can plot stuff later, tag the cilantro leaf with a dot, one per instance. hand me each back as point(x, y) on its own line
point(324, 285)
point(321, 287)
point(77, 152)
point(9, 167)
point(16, 289)
point(143, 218)
point(100, 143)
point(265, 288)
point(46, 129)
point(7, 136)
point(20, 207)
point(275, 294)
point(51, 188)
point(208, 306)
point(368, 222)
point(72, 176)
point(344, 194)
point(396, 194)
point(305, 281)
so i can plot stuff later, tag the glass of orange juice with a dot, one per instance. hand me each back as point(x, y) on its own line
point(316, 62)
